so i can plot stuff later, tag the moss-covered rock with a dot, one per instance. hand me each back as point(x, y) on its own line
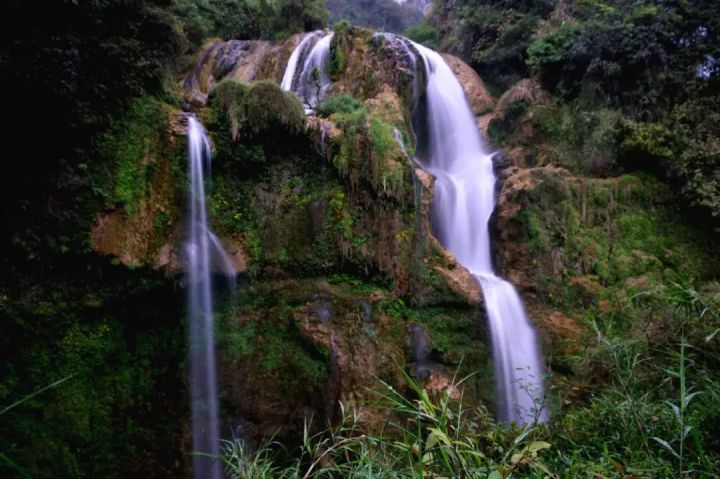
point(291, 349)
point(258, 112)
point(574, 245)
point(139, 222)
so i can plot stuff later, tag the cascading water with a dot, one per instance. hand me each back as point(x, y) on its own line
point(312, 82)
point(204, 253)
point(297, 55)
point(463, 202)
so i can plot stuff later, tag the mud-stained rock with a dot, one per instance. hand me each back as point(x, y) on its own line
point(480, 99)
point(375, 62)
point(460, 280)
point(560, 333)
point(339, 350)
point(323, 133)
point(273, 65)
point(387, 105)
point(237, 251)
point(528, 91)
point(483, 122)
point(238, 59)
point(145, 233)
point(440, 383)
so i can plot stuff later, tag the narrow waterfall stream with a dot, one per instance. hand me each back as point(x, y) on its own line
point(312, 81)
point(464, 201)
point(296, 57)
point(204, 254)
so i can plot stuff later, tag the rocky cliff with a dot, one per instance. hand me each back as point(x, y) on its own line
point(327, 217)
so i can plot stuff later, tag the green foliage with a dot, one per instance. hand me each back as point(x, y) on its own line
point(494, 35)
point(227, 19)
point(343, 104)
point(424, 34)
point(73, 68)
point(86, 363)
point(596, 239)
point(431, 436)
point(501, 129)
point(244, 19)
point(684, 148)
point(248, 119)
point(270, 111)
point(505, 59)
point(380, 15)
point(547, 52)
point(646, 142)
point(640, 57)
point(259, 336)
point(339, 49)
point(132, 145)
point(648, 415)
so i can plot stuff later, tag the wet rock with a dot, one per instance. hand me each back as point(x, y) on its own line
point(528, 91)
point(480, 99)
point(420, 346)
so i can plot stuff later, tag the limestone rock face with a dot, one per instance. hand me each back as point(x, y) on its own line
point(340, 198)
point(570, 244)
point(480, 99)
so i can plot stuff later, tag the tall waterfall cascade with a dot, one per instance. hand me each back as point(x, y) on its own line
point(306, 73)
point(204, 255)
point(463, 203)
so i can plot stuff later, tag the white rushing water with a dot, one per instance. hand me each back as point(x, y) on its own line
point(312, 82)
point(463, 203)
point(204, 253)
point(299, 52)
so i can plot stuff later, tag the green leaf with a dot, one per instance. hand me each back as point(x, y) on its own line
point(690, 397)
point(431, 441)
point(667, 446)
point(538, 446)
point(495, 475)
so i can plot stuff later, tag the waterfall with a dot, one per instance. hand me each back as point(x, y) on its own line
point(313, 80)
point(299, 53)
point(463, 202)
point(204, 253)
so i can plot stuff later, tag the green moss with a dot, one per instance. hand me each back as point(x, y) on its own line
point(339, 49)
point(343, 104)
point(111, 334)
point(267, 337)
point(133, 145)
point(259, 113)
point(594, 236)
point(501, 130)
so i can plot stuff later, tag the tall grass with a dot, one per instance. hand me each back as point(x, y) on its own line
point(653, 411)
point(427, 437)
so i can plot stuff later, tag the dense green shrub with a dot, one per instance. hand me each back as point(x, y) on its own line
point(504, 59)
point(684, 148)
point(381, 15)
point(114, 335)
point(424, 34)
point(258, 113)
point(339, 49)
point(244, 19)
point(547, 53)
point(492, 35)
point(343, 103)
